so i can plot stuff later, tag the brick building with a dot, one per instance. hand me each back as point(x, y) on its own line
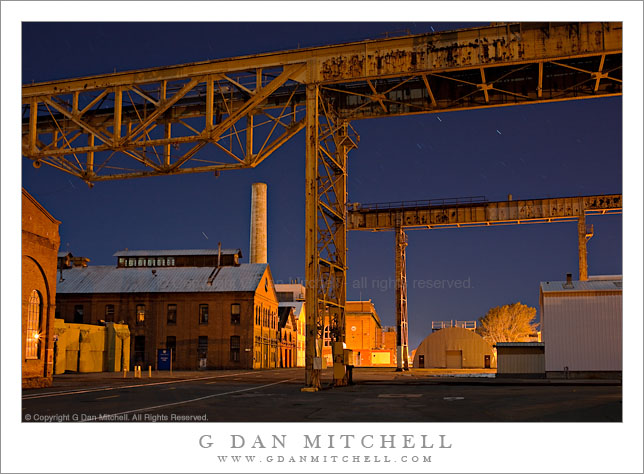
point(363, 335)
point(292, 295)
point(287, 336)
point(40, 241)
point(211, 310)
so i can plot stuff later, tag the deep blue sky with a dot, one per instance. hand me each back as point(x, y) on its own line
point(548, 150)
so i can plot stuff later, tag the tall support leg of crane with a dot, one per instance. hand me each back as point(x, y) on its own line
point(583, 251)
point(328, 141)
point(583, 236)
point(402, 345)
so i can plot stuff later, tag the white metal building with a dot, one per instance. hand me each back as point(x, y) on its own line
point(581, 323)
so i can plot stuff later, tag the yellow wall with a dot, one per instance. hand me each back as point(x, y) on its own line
point(90, 348)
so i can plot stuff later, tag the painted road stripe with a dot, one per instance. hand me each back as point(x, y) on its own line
point(400, 395)
point(74, 392)
point(198, 399)
point(105, 398)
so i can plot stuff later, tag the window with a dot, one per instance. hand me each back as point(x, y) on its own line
point(203, 314)
point(121, 261)
point(160, 262)
point(172, 314)
point(327, 336)
point(79, 311)
point(109, 313)
point(150, 262)
point(141, 262)
point(131, 262)
point(171, 344)
point(140, 314)
point(202, 347)
point(235, 316)
point(234, 348)
point(170, 261)
point(34, 313)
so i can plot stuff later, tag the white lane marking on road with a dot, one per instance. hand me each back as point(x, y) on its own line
point(400, 395)
point(201, 398)
point(451, 399)
point(74, 392)
point(105, 398)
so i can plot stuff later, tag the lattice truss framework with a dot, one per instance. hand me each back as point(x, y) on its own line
point(234, 113)
point(480, 87)
point(329, 140)
point(191, 124)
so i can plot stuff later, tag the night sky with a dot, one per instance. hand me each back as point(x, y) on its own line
point(535, 151)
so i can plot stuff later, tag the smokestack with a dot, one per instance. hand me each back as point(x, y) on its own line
point(569, 278)
point(258, 239)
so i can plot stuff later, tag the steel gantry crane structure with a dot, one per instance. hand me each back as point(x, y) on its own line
point(471, 212)
point(233, 113)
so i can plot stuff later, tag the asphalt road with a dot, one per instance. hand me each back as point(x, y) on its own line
point(380, 395)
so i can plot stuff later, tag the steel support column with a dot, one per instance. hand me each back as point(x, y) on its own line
point(402, 344)
point(328, 141)
point(314, 326)
point(582, 239)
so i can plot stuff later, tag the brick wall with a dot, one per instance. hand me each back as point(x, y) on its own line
point(40, 241)
point(186, 331)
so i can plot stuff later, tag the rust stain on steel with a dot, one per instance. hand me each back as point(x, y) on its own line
point(489, 212)
point(427, 53)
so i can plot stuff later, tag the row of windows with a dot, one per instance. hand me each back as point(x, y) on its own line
point(146, 262)
point(265, 317)
point(140, 312)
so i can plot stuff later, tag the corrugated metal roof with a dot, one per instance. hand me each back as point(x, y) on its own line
point(174, 253)
point(520, 344)
point(108, 279)
point(296, 305)
point(589, 285)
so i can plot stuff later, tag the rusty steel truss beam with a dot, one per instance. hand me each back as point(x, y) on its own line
point(476, 212)
point(233, 113)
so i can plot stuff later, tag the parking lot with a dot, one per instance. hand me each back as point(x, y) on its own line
point(378, 395)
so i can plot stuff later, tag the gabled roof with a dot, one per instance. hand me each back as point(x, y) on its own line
point(39, 206)
point(175, 253)
point(109, 279)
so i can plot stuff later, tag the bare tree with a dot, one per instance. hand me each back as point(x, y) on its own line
point(509, 323)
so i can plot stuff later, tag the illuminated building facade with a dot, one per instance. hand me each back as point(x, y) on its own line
point(40, 241)
point(212, 316)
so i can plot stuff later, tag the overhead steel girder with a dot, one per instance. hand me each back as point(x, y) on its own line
point(452, 213)
point(91, 142)
point(164, 113)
